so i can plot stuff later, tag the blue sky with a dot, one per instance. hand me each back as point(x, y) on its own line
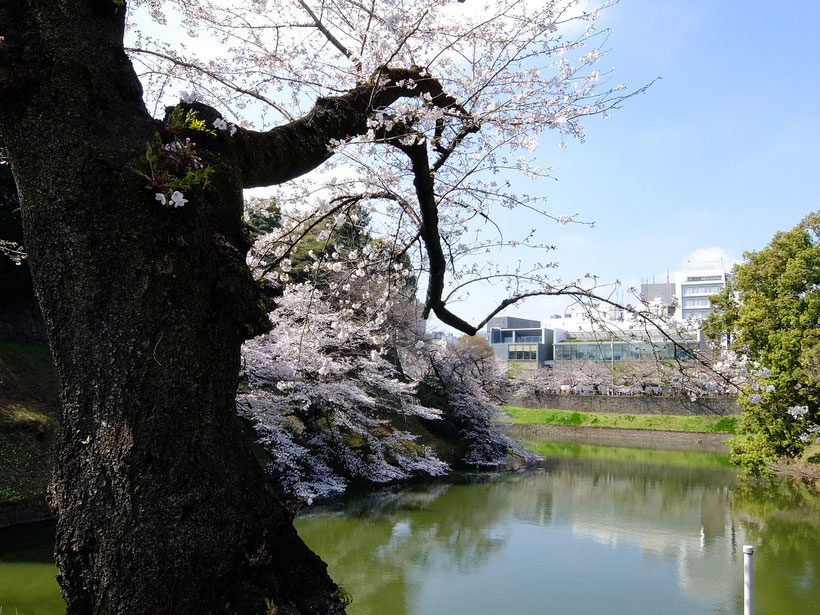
point(721, 152)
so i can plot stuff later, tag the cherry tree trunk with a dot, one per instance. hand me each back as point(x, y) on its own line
point(160, 504)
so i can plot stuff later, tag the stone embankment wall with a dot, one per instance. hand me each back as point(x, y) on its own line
point(23, 323)
point(637, 404)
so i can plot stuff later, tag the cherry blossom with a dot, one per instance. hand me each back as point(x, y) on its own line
point(177, 199)
point(478, 93)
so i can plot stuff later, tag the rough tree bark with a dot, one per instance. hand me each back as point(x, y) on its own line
point(160, 506)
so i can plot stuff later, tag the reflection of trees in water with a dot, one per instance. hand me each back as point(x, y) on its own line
point(390, 539)
point(782, 521)
point(380, 544)
point(633, 498)
point(677, 513)
point(350, 547)
point(389, 532)
point(459, 526)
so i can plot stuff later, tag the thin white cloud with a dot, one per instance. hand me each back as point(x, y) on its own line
point(713, 257)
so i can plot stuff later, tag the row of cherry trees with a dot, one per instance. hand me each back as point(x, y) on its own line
point(625, 377)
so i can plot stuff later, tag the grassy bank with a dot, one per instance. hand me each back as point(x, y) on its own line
point(28, 419)
point(697, 424)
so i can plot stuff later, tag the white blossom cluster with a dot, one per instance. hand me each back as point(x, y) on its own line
point(321, 391)
point(325, 388)
point(799, 413)
point(471, 381)
point(12, 250)
point(177, 199)
point(220, 124)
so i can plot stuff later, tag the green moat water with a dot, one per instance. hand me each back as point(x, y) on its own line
point(595, 530)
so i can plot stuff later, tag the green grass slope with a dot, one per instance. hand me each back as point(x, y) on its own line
point(29, 413)
point(698, 424)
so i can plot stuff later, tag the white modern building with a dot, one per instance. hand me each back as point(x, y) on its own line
point(687, 298)
point(693, 289)
point(579, 336)
point(610, 334)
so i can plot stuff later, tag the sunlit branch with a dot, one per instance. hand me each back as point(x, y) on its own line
point(215, 76)
point(329, 36)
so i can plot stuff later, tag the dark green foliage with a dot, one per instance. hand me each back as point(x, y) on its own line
point(262, 222)
point(28, 418)
point(722, 321)
point(727, 425)
point(771, 314)
point(327, 238)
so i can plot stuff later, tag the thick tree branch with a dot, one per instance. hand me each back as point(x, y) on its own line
point(425, 192)
point(289, 151)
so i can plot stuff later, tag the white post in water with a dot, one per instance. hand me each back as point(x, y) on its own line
point(748, 596)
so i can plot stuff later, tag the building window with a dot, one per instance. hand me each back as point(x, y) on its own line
point(623, 351)
point(697, 302)
point(522, 352)
point(710, 289)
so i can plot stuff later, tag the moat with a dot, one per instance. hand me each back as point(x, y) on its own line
point(594, 529)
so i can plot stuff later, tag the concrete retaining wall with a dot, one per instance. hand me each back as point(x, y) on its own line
point(721, 406)
point(628, 438)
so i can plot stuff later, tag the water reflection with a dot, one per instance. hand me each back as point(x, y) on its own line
point(28, 584)
point(602, 532)
point(781, 520)
point(596, 529)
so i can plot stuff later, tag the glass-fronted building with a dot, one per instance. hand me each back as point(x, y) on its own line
point(575, 349)
point(529, 346)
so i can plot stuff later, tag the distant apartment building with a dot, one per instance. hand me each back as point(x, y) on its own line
point(693, 289)
point(688, 296)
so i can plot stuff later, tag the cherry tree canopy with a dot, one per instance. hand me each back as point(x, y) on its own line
point(458, 94)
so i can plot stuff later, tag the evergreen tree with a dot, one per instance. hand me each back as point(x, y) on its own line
point(771, 313)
